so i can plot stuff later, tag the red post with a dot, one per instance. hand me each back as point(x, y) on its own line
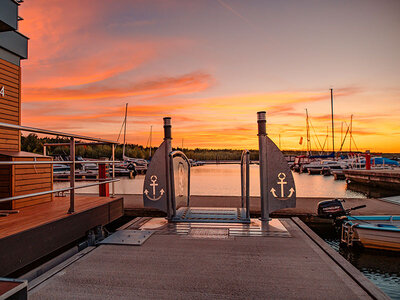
point(367, 160)
point(103, 188)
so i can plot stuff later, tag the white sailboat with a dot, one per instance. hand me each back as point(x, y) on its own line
point(137, 164)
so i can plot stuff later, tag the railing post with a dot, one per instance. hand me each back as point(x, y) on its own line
point(44, 150)
point(242, 188)
point(262, 142)
point(72, 177)
point(248, 185)
point(168, 150)
point(103, 188)
point(113, 171)
point(367, 160)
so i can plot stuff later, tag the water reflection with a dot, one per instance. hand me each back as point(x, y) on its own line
point(381, 267)
point(225, 180)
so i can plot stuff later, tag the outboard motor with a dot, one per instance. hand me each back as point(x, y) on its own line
point(331, 209)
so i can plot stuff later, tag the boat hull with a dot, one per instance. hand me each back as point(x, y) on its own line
point(375, 232)
point(376, 239)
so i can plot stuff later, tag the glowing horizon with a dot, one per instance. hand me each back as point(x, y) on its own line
point(211, 77)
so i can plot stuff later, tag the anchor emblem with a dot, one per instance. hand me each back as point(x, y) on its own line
point(281, 182)
point(153, 184)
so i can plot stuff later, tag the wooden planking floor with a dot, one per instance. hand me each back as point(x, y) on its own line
point(33, 216)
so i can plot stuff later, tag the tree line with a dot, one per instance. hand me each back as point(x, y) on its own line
point(33, 143)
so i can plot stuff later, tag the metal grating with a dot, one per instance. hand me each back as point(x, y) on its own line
point(127, 237)
point(219, 230)
point(207, 215)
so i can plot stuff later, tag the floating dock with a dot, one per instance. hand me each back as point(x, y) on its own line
point(306, 207)
point(39, 230)
point(389, 179)
point(207, 261)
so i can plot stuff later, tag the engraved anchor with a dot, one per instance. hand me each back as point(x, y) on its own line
point(153, 184)
point(281, 182)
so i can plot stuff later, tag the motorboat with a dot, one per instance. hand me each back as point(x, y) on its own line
point(323, 166)
point(299, 161)
point(376, 232)
point(60, 168)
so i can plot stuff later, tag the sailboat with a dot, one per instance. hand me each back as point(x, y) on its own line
point(137, 164)
point(301, 163)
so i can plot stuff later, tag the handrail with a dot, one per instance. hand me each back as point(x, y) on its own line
point(245, 180)
point(171, 157)
point(73, 162)
point(61, 162)
point(52, 132)
point(56, 191)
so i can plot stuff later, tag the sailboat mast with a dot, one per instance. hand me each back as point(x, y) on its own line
point(280, 141)
point(351, 130)
point(341, 134)
point(308, 134)
point(151, 133)
point(333, 129)
point(126, 115)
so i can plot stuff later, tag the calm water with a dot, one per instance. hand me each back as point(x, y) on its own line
point(382, 268)
point(225, 180)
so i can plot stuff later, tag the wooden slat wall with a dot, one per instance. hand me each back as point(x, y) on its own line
point(30, 179)
point(10, 105)
point(5, 184)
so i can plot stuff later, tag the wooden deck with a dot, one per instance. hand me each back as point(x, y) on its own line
point(39, 230)
point(375, 178)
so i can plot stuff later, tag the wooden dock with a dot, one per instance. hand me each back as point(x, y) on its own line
point(37, 231)
point(375, 178)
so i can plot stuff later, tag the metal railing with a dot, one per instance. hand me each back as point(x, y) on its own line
point(245, 181)
point(72, 162)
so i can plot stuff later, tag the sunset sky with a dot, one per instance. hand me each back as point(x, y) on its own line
point(211, 65)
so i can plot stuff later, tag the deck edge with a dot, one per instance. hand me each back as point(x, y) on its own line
point(369, 287)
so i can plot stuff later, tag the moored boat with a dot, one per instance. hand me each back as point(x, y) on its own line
point(376, 232)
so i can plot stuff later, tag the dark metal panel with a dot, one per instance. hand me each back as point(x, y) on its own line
point(10, 57)
point(281, 190)
point(14, 42)
point(8, 15)
point(155, 183)
point(128, 237)
point(19, 250)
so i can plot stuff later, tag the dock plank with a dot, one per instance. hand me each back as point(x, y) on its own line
point(37, 231)
point(34, 216)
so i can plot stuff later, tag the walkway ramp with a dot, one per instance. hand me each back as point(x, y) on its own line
point(211, 214)
point(177, 266)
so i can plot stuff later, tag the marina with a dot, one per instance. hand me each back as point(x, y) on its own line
point(217, 209)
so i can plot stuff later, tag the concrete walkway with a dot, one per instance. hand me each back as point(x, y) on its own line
point(180, 267)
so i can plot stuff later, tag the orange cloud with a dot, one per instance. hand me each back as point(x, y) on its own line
point(165, 86)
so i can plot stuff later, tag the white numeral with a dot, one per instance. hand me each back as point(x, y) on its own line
point(2, 91)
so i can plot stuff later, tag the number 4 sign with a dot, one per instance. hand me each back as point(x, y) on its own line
point(2, 91)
